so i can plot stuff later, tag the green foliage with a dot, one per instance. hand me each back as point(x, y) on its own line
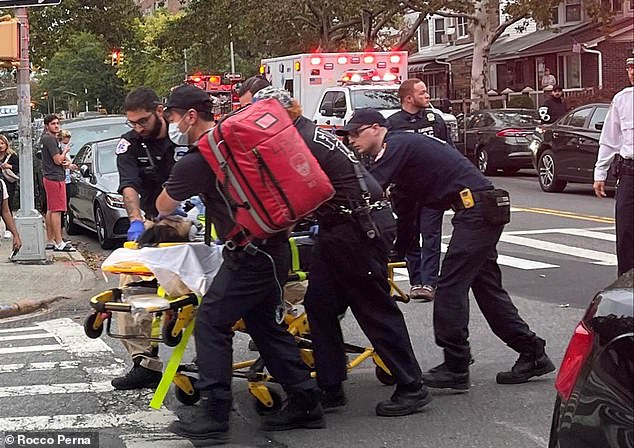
point(520, 102)
point(81, 66)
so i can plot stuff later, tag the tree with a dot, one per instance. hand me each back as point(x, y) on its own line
point(79, 70)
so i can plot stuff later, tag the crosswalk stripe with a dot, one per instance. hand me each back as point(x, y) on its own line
point(155, 440)
point(598, 257)
point(19, 330)
point(55, 389)
point(30, 349)
point(37, 366)
point(143, 419)
point(72, 337)
point(23, 337)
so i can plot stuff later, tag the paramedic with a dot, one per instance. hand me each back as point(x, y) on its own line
point(423, 263)
point(248, 286)
point(349, 270)
point(434, 174)
point(145, 156)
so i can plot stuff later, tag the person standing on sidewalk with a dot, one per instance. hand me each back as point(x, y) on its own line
point(433, 173)
point(54, 163)
point(423, 263)
point(7, 217)
point(617, 137)
point(145, 157)
point(10, 171)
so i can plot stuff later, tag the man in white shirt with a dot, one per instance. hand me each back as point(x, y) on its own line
point(617, 137)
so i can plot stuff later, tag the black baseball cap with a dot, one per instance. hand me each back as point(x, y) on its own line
point(360, 118)
point(557, 88)
point(189, 97)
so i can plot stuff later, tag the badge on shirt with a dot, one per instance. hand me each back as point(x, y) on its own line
point(122, 146)
point(430, 116)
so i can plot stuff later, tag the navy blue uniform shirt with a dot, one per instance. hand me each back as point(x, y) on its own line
point(426, 121)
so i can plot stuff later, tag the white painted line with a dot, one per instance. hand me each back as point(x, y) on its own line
point(24, 337)
point(72, 337)
point(141, 419)
point(55, 389)
point(30, 349)
point(18, 330)
point(514, 262)
point(156, 440)
point(37, 366)
point(596, 232)
point(592, 234)
point(600, 257)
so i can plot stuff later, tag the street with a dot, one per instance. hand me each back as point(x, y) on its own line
point(556, 253)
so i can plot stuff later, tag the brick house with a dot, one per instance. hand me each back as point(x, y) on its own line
point(579, 53)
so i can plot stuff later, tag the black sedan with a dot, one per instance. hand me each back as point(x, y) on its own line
point(595, 383)
point(498, 139)
point(93, 201)
point(566, 151)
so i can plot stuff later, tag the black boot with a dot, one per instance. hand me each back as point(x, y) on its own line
point(302, 410)
point(406, 399)
point(440, 377)
point(333, 397)
point(209, 423)
point(137, 378)
point(532, 362)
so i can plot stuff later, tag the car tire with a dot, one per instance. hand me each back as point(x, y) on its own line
point(69, 223)
point(103, 235)
point(482, 162)
point(547, 173)
point(553, 439)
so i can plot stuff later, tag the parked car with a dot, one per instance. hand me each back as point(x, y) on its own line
point(566, 150)
point(595, 384)
point(93, 202)
point(9, 125)
point(498, 139)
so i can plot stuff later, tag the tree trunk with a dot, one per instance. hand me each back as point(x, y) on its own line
point(483, 31)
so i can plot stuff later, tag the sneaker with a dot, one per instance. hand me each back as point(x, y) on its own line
point(528, 365)
point(424, 293)
point(440, 377)
point(7, 235)
point(302, 410)
point(333, 397)
point(207, 425)
point(138, 377)
point(404, 402)
point(50, 245)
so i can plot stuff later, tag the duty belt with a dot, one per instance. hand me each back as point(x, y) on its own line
point(627, 168)
point(477, 197)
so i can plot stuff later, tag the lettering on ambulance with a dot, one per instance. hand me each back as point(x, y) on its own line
point(331, 142)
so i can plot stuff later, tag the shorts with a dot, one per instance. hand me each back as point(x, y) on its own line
point(55, 195)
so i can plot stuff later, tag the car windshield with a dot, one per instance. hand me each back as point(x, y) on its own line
point(524, 118)
point(8, 121)
point(88, 131)
point(107, 159)
point(375, 99)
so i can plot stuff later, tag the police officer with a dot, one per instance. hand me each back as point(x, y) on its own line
point(617, 137)
point(416, 116)
point(349, 270)
point(145, 156)
point(246, 287)
point(435, 174)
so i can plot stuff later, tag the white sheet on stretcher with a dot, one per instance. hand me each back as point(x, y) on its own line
point(194, 264)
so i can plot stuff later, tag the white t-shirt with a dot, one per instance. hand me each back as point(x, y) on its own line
point(5, 193)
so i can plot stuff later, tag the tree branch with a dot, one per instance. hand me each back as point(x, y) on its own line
point(503, 26)
point(407, 36)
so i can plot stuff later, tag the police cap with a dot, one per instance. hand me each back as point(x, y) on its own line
point(360, 118)
point(189, 97)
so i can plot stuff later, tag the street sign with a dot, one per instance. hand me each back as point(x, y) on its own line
point(25, 3)
point(233, 76)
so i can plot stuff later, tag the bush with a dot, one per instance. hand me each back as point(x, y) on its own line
point(520, 102)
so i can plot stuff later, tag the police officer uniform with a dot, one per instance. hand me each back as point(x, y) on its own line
point(434, 174)
point(423, 263)
point(617, 137)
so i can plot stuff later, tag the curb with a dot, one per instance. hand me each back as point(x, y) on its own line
point(26, 306)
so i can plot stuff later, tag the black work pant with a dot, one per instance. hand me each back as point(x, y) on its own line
point(625, 221)
point(245, 287)
point(349, 270)
point(471, 263)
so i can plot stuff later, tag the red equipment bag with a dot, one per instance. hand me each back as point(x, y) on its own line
point(265, 168)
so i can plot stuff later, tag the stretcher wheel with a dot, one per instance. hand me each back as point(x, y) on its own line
point(89, 327)
point(185, 398)
point(168, 338)
point(262, 409)
point(384, 377)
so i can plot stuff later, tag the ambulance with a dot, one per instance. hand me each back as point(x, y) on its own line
point(331, 86)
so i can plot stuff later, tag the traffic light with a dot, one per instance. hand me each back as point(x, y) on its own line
point(9, 39)
point(116, 58)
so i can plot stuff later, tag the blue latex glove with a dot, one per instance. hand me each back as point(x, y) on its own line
point(135, 230)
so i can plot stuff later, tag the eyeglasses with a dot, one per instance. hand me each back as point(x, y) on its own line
point(357, 132)
point(142, 122)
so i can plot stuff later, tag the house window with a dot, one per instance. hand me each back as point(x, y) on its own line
point(571, 64)
point(424, 34)
point(573, 10)
point(462, 26)
point(439, 30)
point(631, 5)
point(554, 15)
point(613, 5)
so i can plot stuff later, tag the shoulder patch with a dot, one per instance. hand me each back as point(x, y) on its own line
point(122, 146)
point(431, 116)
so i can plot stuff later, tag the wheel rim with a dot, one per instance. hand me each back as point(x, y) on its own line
point(101, 231)
point(547, 170)
point(483, 160)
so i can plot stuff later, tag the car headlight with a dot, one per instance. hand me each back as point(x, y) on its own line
point(534, 146)
point(115, 201)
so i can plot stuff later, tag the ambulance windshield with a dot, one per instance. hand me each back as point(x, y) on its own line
point(375, 99)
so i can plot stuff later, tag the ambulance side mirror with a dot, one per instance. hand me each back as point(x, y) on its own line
point(326, 109)
point(598, 126)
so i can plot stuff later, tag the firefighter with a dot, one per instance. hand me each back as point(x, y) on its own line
point(423, 262)
point(349, 270)
point(246, 287)
point(432, 173)
point(145, 156)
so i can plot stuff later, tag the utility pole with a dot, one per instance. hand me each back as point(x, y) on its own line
point(233, 59)
point(185, 62)
point(28, 220)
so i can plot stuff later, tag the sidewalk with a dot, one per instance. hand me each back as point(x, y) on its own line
point(29, 287)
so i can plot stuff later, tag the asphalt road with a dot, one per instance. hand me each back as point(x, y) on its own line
point(556, 253)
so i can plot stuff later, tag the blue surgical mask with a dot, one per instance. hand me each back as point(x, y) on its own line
point(178, 137)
